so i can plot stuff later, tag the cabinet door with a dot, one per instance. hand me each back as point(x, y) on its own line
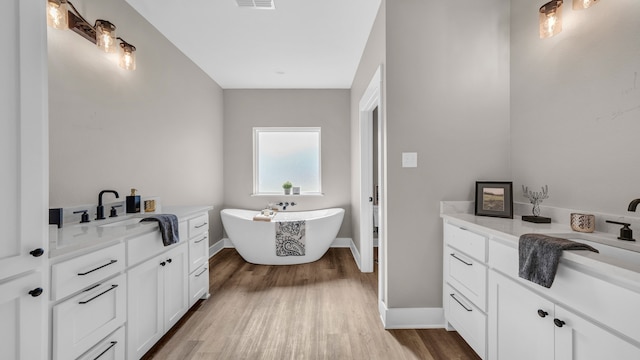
point(580, 339)
point(520, 322)
point(24, 179)
point(145, 291)
point(176, 285)
point(21, 314)
point(23, 136)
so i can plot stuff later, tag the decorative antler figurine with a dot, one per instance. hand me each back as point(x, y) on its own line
point(536, 198)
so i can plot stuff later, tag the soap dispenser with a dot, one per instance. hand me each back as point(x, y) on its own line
point(133, 202)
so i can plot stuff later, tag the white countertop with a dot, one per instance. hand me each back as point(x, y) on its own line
point(75, 237)
point(508, 231)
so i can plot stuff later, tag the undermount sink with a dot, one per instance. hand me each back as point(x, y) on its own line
point(125, 222)
point(624, 252)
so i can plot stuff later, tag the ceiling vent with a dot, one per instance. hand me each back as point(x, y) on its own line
point(256, 4)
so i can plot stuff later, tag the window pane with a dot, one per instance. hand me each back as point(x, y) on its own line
point(288, 155)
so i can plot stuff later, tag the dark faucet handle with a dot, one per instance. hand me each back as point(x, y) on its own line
point(293, 204)
point(626, 233)
point(114, 211)
point(85, 215)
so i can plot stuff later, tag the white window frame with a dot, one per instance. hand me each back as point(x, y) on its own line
point(257, 130)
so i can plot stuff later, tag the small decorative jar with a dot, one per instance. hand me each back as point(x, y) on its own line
point(585, 223)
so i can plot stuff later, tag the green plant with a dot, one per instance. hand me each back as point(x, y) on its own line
point(287, 185)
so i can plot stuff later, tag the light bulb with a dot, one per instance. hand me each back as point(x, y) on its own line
point(550, 19)
point(105, 36)
point(57, 14)
point(127, 56)
point(583, 4)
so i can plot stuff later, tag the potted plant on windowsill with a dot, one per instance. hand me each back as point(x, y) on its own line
point(287, 187)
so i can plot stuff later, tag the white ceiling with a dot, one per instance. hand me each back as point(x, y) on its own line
point(302, 44)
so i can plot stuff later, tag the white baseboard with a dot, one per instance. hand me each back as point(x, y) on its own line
point(219, 245)
point(356, 254)
point(411, 318)
point(342, 243)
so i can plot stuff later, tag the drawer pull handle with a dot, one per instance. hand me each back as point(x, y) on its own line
point(113, 343)
point(459, 302)
point(98, 268)
point(542, 313)
point(37, 252)
point(201, 272)
point(169, 261)
point(36, 292)
point(558, 322)
point(199, 226)
point(97, 296)
point(462, 261)
point(163, 263)
point(201, 240)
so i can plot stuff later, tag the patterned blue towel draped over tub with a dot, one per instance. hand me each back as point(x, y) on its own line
point(290, 238)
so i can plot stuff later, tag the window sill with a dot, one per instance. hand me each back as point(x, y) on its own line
point(290, 195)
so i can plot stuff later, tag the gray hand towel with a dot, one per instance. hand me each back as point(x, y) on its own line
point(539, 256)
point(168, 224)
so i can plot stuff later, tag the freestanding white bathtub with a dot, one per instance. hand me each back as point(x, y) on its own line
point(255, 240)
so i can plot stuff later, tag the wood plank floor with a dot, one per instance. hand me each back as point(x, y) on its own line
point(324, 310)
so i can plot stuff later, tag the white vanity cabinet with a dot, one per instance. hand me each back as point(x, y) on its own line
point(526, 326)
point(157, 298)
point(587, 314)
point(24, 178)
point(465, 283)
point(198, 231)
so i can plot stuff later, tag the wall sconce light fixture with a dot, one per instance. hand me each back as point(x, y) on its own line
point(583, 4)
point(57, 14)
point(102, 33)
point(550, 19)
point(127, 55)
point(550, 16)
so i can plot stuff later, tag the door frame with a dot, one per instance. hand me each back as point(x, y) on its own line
point(370, 100)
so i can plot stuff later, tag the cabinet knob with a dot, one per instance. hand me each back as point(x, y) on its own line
point(163, 263)
point(36, 292)
point(542, 313)
point(37, 252)
point(169, 261)
point(558, 322)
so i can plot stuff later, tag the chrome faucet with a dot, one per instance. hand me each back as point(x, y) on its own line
point(100, 208)
point(633, 205)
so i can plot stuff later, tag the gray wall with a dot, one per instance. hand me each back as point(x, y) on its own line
point(575, 106)
point(158, 129)
point(328, 109)
point(372, 57)
point(447, 99)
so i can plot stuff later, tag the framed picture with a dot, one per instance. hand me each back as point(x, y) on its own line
point(494, 198)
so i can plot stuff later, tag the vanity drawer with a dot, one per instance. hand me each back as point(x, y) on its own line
point(467, 319)
point(468, 276)
point(472, 244)
point(111, 348)
point(78, 273)
point(82, 321)
point(198, 284)
point(198, 251)
point(198, 225)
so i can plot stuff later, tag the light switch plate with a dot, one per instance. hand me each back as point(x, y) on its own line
point(409, 159)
